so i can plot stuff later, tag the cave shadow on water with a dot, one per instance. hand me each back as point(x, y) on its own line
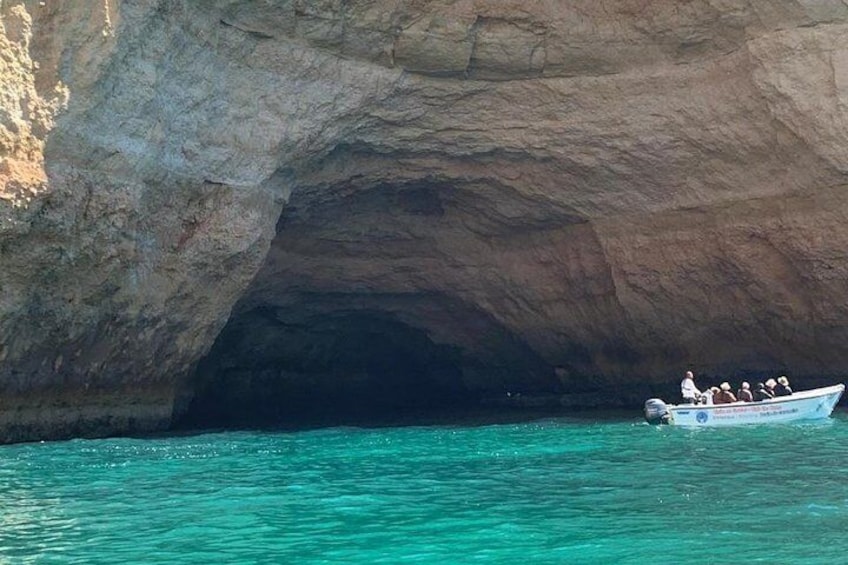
point(354, 368)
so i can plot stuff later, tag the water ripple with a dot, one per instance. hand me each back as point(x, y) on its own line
point(553, 491)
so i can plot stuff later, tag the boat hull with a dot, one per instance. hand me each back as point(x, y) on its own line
point(816, 404)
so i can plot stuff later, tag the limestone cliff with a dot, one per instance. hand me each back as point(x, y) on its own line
point(499, 196)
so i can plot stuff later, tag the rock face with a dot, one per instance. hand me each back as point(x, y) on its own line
point(392, 204)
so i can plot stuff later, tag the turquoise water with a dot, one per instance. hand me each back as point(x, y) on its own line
point(549, 491)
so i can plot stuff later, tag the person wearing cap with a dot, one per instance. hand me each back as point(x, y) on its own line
point(762, 393)
point(744, 393)
point(782, 387)
point(770, 384)
point(724, 396)
point(688, 390)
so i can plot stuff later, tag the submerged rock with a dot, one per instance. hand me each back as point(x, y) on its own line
point(574, 197)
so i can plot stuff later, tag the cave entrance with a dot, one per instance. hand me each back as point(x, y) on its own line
point(347, 367)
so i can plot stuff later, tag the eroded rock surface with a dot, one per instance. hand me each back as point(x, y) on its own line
point(536, 197)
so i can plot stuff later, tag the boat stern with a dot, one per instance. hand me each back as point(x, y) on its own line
point(656, 411)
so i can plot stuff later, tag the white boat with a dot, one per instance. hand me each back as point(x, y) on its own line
point(815, 404)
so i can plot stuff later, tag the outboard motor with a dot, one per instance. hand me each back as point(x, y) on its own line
point(656, 412)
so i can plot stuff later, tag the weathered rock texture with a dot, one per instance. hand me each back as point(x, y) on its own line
point(397, 201)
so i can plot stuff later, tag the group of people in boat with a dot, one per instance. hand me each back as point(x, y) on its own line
point(723, 394)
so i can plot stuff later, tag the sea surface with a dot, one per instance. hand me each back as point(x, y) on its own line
point(558, 490)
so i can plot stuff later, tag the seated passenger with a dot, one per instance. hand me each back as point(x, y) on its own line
point(770, 384)
point(744, 393)
point(724, 396)
point(761, 393)
point(707, 395)
point(782, 387)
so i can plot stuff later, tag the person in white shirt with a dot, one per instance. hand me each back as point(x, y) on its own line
point(688, 390)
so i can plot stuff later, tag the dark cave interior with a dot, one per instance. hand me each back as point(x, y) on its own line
point(347, 367)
